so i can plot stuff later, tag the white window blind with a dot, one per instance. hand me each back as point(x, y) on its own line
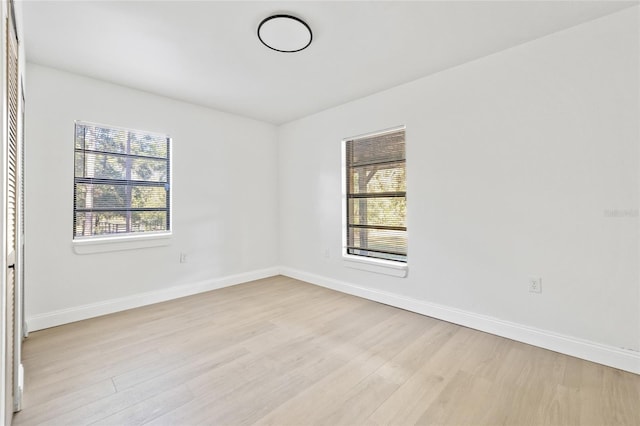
point(376, 196)
point(121, 182)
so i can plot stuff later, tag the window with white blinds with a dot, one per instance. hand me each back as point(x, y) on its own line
point(376, 196)
point(121, 182)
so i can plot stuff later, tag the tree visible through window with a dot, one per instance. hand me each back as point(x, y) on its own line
point(376, 196)
point(121, 181)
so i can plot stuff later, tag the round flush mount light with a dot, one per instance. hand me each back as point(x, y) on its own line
point(284, 33)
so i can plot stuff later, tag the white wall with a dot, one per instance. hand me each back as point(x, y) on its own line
point(515, 163)
point(224, 196)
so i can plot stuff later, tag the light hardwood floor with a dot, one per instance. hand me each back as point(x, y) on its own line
point(280, 351)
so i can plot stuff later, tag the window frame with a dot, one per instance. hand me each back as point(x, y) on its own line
point(395, 268)
point(124, 240)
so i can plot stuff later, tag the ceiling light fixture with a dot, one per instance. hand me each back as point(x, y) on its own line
point(284, 33)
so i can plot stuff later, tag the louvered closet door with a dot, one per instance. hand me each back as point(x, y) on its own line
point(11, 217)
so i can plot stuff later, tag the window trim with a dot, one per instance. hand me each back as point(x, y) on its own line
point(382, 266)
point(89, 245)
point(125, 241)
point(393, 268)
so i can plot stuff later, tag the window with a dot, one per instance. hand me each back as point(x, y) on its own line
point(121, 182)
point(376, 197)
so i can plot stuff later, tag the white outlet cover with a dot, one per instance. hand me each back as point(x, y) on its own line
point(535, 285)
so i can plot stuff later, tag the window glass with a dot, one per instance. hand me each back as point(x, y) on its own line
point(376, 197)
point(121, 181)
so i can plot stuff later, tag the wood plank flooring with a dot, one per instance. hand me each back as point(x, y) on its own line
point(282, 352)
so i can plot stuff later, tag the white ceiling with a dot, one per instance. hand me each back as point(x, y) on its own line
point(207, 52)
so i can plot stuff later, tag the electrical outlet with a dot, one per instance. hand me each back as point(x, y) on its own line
point(535, 285)
point(183, 257)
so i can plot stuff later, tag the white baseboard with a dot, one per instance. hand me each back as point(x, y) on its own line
point(607, 355)
point(65, 316)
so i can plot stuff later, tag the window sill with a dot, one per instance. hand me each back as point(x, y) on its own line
point(129, 242)
point(378, 266)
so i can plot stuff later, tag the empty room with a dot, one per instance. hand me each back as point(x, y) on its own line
point(320, 213)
